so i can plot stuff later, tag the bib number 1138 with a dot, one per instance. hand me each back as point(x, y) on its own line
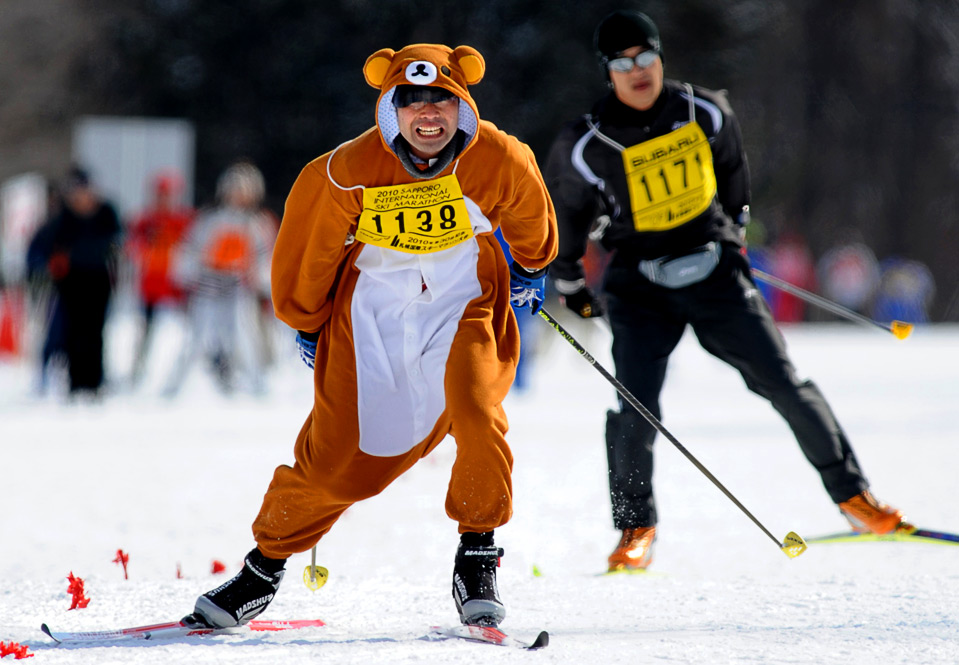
point(423, 220)
point(418, 217)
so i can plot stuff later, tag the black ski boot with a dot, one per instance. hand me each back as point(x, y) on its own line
point(245, 596)
point(474, 580)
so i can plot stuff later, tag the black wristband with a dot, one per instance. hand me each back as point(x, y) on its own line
point(532, 274)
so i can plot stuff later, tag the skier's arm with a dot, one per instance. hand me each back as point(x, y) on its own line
point(309, 249)
point(731, 167)
point(528, 220)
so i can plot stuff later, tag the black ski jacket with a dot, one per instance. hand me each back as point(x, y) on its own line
point(587, 179)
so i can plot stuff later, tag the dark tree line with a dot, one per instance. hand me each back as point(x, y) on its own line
point(848, 108)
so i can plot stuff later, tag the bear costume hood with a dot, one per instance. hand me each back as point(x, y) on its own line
point(428, 65)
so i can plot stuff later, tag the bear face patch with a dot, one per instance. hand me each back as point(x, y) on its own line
point(421, 72)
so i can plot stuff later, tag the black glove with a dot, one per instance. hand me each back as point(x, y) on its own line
point(583, 303)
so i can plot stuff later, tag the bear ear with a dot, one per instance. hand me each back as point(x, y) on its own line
point(470, 62)
point(377, 65)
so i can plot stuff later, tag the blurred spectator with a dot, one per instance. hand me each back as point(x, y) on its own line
point(81, 260)
point(906, 289)
point(760, 258)
point(224, 265)
point(849, 275)
point(154, 235)
point(43, 292)
point(597, 258)
point(269, 227)
point(790, 260)
point(760, 255)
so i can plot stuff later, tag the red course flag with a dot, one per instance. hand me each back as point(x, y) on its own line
point(122, 559)
point(76, 590)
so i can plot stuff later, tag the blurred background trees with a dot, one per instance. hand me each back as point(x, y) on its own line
point(848, 109)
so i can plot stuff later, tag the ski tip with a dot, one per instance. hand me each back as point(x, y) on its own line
point(793, 545)
point(542, 640)
point(46, 629)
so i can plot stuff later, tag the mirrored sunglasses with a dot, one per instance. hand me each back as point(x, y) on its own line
point(641, 60)
point(416, 97)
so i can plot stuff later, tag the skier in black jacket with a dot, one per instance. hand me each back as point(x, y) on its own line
point(657, 171)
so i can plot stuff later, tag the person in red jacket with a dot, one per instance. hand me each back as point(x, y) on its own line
point(154, 236)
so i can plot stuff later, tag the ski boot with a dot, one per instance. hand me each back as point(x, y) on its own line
point(244, 597)
point(474, 580)
point(868, 515)
point(634, 551)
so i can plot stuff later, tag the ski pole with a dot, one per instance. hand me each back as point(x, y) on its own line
point(898, 328)
point(792, 545)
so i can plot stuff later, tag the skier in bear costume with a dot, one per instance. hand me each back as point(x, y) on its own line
point(387, 266)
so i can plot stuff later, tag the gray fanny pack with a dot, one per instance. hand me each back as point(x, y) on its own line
point(675, 272)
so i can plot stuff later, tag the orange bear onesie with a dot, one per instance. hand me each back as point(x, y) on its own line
point(399, 272)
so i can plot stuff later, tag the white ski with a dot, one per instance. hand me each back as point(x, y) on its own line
point(491, 635)
point(171, 629)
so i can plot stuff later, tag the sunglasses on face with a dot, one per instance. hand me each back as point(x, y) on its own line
point(417, 97)
point(625, 64)
point(442, 103)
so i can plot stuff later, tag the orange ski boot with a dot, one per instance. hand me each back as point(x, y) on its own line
point(867, 515)
point(635, 550)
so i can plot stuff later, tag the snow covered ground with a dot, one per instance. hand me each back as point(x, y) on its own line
point(177, 483)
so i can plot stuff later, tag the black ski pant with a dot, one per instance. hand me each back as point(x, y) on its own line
point(84, 298)
point(732, 322)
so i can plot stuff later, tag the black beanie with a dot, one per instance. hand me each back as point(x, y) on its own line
point(624, 29)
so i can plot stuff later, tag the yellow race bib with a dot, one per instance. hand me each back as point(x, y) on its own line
point(671, 178)
point(417, 218)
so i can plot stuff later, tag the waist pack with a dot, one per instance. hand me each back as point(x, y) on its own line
point(675, 272)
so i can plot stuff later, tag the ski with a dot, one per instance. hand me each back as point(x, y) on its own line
point(491, 635)
point(916, 536)
point(183, 628)
point(640, 572)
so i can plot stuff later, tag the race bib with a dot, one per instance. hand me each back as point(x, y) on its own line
point(417, 218)
point(671, 178)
